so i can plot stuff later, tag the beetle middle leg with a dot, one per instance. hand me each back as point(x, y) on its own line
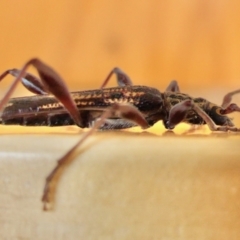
point(122, 78)
point(173, 87)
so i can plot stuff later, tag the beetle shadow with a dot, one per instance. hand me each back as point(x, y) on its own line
point(168, 133)
point(73, 130)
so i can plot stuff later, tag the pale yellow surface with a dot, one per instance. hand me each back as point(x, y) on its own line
point(124, 185)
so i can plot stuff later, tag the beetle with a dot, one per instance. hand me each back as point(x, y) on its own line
point(172, 106)
point(120, 107)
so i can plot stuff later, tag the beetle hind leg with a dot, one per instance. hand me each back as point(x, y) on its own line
point(52, 83)
point(29, 81)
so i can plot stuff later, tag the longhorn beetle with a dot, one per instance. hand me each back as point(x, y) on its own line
point(120, 107)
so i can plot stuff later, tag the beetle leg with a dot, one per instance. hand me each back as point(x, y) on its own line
point(52, 83)
point(178, 113)
point(173, 87)
point(29, 81)
point(125, 111)
point(211, 124)
point(231, 108)
point(228, 98)
point(122, 78)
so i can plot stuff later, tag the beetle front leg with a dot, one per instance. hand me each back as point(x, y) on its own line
point(229, 109)
point(227, 99)
point(124, 111)
point(211, 124)
point(179, 111)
